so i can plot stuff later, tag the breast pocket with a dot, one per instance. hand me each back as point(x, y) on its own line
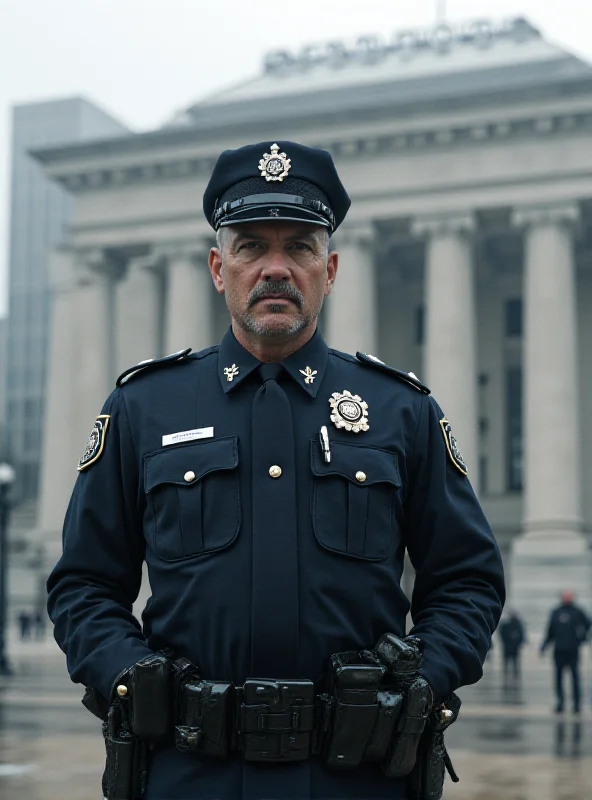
point(193, 498)
point(353, 499)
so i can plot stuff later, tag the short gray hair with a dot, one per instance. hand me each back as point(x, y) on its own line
point(220, 236)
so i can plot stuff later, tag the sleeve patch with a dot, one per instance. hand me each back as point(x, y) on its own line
point(452, 447)
point(96, 442)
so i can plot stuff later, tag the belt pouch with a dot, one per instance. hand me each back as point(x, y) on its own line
point(150, 699)
point(354, 687)
point(390, 704)
point(118, 778)
point(400, 761)
point(206, 718)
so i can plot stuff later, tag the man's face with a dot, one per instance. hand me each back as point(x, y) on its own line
point(274, 275)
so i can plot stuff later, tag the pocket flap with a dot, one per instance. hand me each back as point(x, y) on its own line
point(171, 466)
point(354, 461)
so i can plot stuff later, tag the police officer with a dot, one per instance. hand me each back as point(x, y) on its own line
point(272, 485)
point(567, 631)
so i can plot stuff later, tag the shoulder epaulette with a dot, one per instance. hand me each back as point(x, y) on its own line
point(407, 377)
point(151, 363)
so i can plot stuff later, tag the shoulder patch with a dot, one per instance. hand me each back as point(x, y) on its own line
point(407, 377)
point(96, 442)
point(452, 447)
point(151, 363)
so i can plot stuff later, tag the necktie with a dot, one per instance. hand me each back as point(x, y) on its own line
point(274, 643)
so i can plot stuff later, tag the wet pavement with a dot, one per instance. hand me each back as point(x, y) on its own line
point(507, 745)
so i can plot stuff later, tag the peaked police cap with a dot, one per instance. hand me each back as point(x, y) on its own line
point(275, 180)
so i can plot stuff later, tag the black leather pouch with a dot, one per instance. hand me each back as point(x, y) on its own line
point(390, 705)
point(151, 699)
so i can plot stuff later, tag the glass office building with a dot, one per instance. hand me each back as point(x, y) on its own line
point(39, 211)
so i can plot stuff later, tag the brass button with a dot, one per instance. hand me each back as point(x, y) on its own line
point(189, 476)
point(361, 476)
point(122, 690)
point(275, 471)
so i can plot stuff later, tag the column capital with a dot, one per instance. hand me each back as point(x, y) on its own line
point(457, 223)
point(151, 262)
point(357, 233)
point(562, 213)
point(194, 251)
point(95, 266)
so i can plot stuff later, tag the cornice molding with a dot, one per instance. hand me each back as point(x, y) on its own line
point(499, 130)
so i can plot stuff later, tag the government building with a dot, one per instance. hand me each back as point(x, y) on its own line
point(466, 258)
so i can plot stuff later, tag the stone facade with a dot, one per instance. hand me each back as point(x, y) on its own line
point(472, 200)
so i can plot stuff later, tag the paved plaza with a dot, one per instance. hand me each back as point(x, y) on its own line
point(508, 745)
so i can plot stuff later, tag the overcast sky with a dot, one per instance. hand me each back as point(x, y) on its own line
point(142, 60)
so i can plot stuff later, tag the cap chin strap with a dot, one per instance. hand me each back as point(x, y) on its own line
point(255, 201)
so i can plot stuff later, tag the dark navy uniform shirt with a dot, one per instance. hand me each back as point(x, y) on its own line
point(252, 574)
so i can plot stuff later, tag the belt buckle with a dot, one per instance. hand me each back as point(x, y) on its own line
point(277, 719)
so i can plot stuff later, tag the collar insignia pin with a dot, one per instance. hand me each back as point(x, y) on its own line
point(349, 411)
point(231, 372)
point(309, 374)
point(274, 166)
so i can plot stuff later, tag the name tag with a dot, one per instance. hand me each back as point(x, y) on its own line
point(187, 436)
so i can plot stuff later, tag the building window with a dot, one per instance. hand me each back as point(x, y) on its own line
point(514, 428)
point(514, 317)
point(419, 324)
point(483, 475)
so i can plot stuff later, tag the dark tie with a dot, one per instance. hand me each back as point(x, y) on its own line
point(274, 644)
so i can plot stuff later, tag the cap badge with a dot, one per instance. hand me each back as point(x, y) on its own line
point(231, 373)
point(274, 166)
point(309, 374)
point(349, 411)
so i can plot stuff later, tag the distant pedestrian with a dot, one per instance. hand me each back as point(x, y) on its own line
point(24, 621)
point(567, 630)
point(513, 637)
point(39, 620)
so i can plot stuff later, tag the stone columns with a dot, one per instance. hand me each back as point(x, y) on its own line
point(139, 311)
point(552, 554)
point(94, 334)
point(58, 466)
point(451, 330)
point(80, 377)
point(189, 303)
point(552, 492)
point(352, 307)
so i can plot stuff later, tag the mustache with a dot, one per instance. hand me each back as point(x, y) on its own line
point(275, 289)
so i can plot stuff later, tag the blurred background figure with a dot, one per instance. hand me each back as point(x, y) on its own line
point(24, 622)
point(39, 621)
point(513, 636)
point(567, 631)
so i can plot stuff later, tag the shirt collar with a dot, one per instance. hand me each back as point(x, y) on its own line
point(306, 366)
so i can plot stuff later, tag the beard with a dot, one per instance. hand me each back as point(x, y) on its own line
point(280, 329)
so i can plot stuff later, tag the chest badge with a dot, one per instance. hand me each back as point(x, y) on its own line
point(349, 411)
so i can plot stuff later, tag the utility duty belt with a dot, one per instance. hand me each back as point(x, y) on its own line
point(376, 708)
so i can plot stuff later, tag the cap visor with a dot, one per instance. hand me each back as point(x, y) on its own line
point(274, 213)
